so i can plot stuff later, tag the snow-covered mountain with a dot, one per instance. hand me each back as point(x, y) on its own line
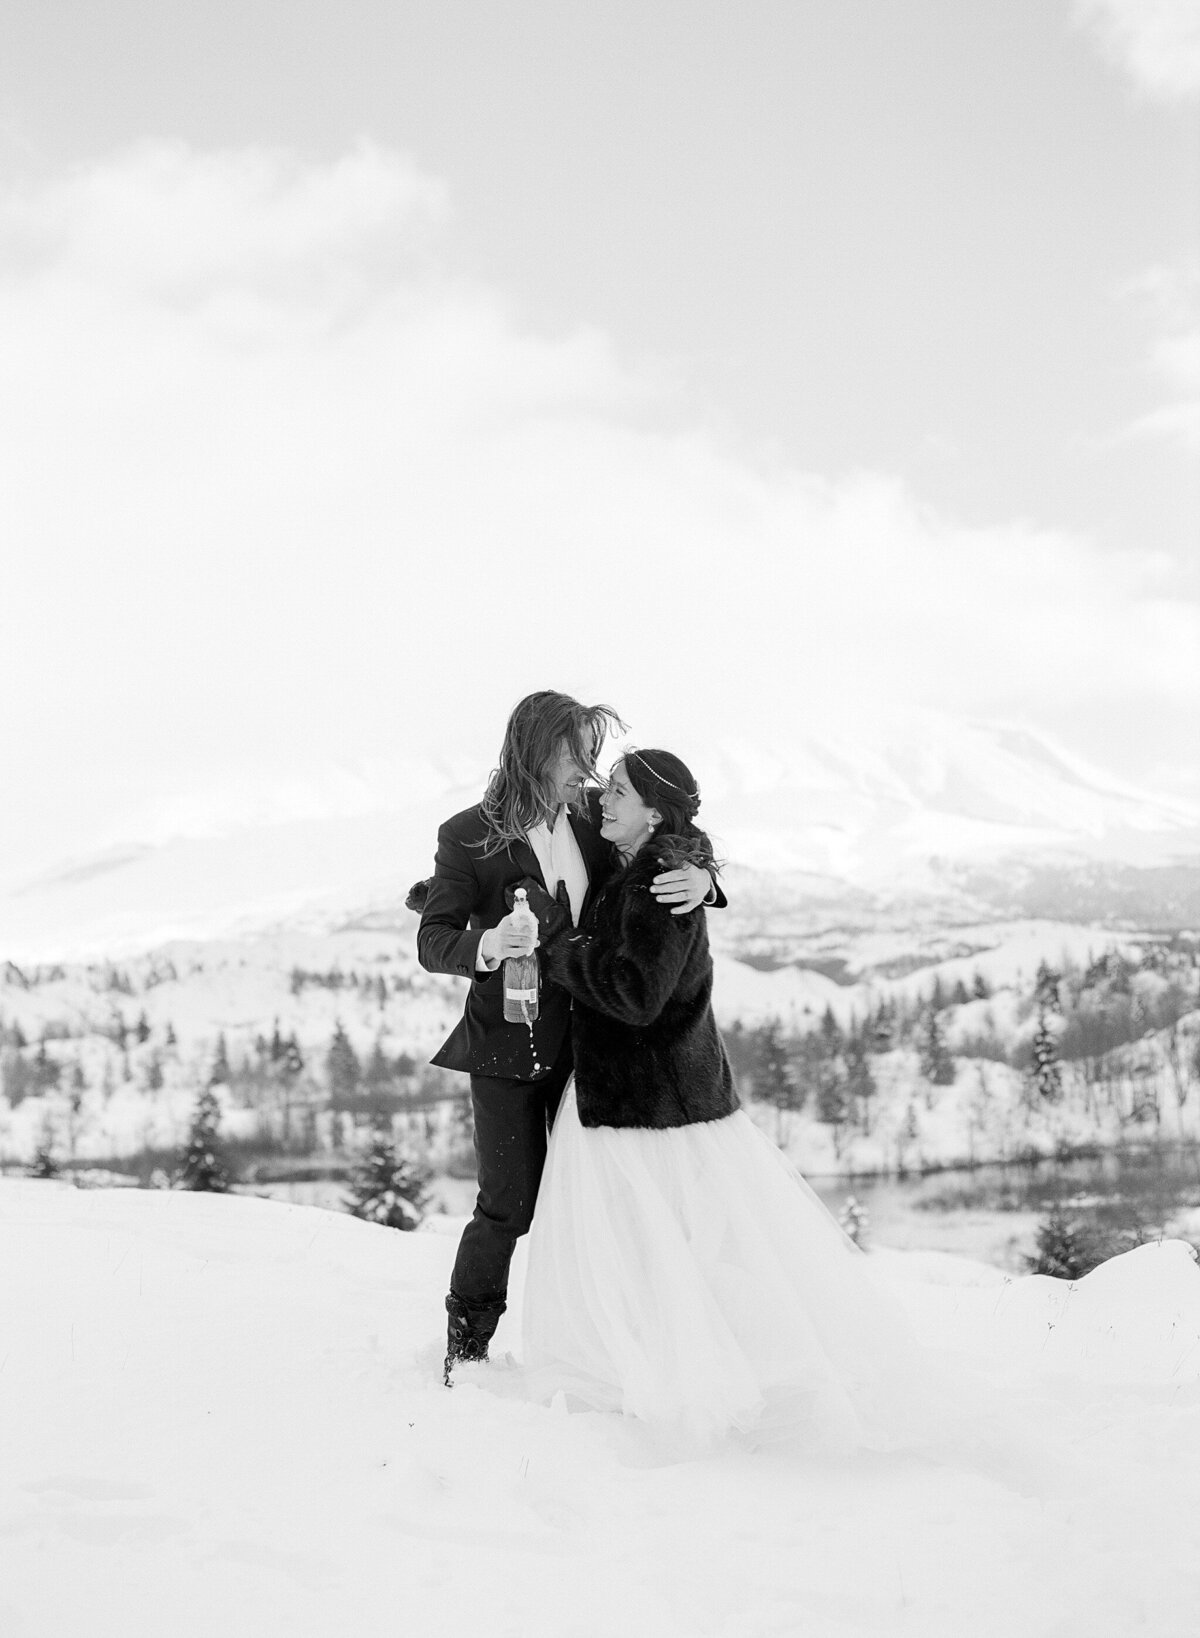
point(932, 818)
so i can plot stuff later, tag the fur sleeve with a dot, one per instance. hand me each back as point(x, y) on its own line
point(629, 968)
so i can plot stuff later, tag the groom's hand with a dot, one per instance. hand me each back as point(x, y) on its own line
point(507, 938)
point(684, 888)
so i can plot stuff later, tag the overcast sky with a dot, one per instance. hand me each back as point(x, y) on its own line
point(363, 367)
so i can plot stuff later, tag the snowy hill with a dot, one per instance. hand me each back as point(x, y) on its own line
point(222, 1417)
point(929, 821)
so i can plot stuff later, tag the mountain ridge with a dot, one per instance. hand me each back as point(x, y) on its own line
point(937, 817)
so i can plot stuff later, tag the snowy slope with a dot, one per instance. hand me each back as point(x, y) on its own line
point(221, 1419)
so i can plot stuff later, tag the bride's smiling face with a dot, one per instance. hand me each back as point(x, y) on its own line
point(628, 822)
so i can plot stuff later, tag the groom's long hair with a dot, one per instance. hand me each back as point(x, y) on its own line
point(520, 792)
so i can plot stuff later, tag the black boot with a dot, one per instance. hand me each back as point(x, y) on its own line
point(469, 1330)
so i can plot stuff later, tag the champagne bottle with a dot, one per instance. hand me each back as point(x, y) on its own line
point(521, 972)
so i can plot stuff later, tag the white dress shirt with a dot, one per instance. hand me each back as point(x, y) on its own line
point(559, 859)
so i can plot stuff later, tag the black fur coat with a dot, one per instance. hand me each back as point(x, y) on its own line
point(646, 1045)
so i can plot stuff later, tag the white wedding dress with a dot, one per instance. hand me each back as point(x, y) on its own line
point(690, 1278)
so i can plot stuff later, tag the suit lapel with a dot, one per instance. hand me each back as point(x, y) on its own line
point(523, 856)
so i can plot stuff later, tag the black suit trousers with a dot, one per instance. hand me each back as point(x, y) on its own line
point(512, 1123)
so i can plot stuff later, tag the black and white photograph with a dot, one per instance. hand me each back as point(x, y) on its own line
point(600, 853)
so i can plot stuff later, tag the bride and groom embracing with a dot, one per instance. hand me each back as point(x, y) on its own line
point(680, 1270)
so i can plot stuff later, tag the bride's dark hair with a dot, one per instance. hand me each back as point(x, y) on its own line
point(664, 782)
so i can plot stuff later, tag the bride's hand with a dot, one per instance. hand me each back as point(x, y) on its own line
point(684, 888)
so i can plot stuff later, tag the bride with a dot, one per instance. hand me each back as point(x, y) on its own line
point(680, 1270)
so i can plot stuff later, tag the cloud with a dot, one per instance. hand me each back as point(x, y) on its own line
point(1155, 42)
point(166, 225)
point(1173, 294)
point(282, 486)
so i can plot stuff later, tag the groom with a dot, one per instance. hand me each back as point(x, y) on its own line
point(538, 822)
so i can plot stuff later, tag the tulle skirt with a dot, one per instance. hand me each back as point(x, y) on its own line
point(690, 1278)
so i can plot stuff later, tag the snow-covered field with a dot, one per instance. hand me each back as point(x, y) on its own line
point(221, 1416)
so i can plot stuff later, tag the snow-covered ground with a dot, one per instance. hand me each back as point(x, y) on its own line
point(221, 1416)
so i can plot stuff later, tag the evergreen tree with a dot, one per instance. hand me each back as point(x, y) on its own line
point(219, 1074)
point(772, 1066)
point(154, 1074)
point(959, 996)
point(377, 1076)
point(831, 1034)
point(292, 1063)
point(1060, 1250)
point(855, 1220)
point(1046, 989)
point(172, 1038)
point(833, 1105)
point(980, 988)
point(142, 1029)
point(388, 1187)
point(860, 1083)
point(202, 1168)
point(44, 1163)
point(342, 1066)
point(937, 1062)
point(774, 1072)
point(1046, 1071)
point(883, 1027)
point(45, 1069)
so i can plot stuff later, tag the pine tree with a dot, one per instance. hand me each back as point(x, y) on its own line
point(855, 1220)
point(833, 1105)
point(171, 1038)
point(883, 1027)
point(142, 1029)
point(831, 1034)
point(219, 1074)
point(772, 1067)
point(388, 1187)
point(44, 1163)
point(980, 988)
point(1046, 989)
point(937, 1062)
point(202, 1168)
point(774, 1073)
point(342, 1066)
point(45, 1069)
point(1046, 1071)
point(959, 996)
point(377, 1076)
point(860, 1083)
point(292, 1063)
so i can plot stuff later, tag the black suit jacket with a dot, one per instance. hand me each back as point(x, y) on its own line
point(469, 893)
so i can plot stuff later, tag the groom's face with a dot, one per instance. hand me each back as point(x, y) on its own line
point(566, 775)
